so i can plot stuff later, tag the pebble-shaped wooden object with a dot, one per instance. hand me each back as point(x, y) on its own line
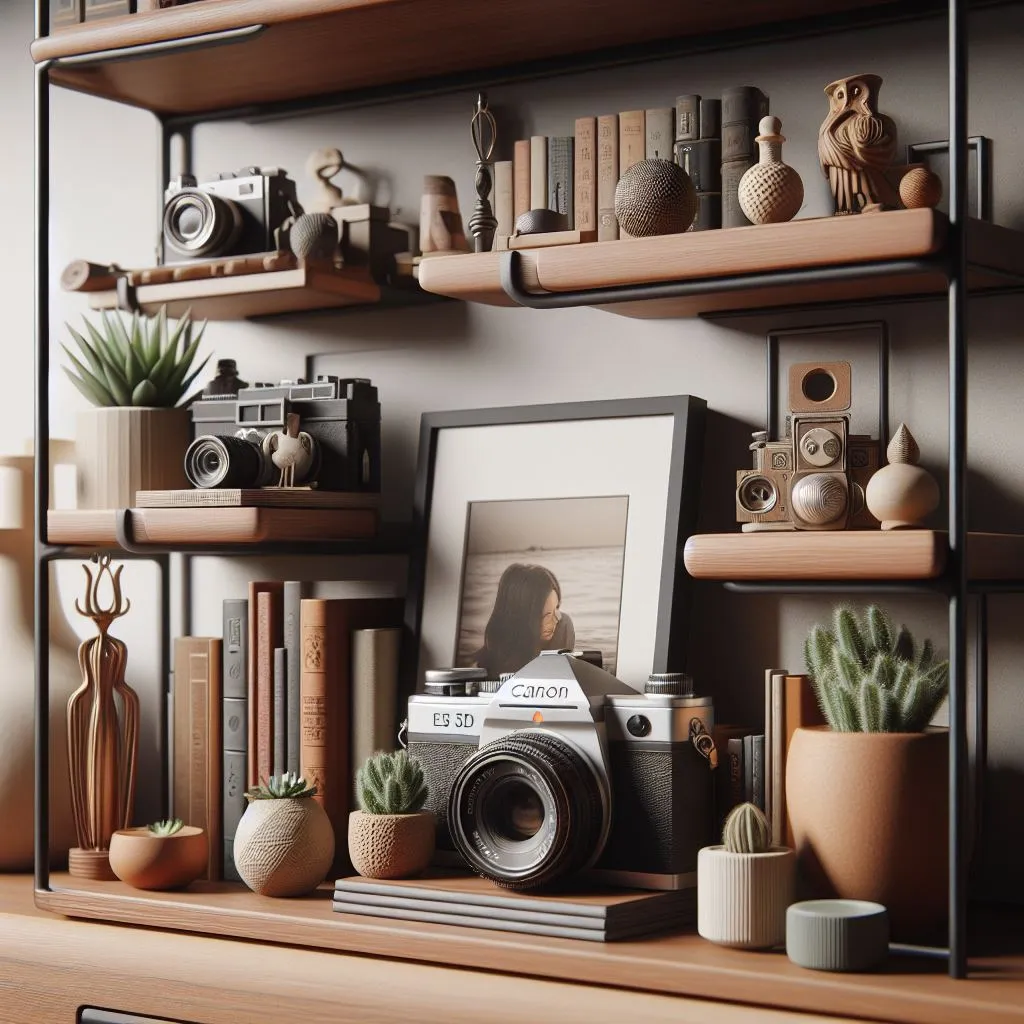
point(902, 494)
point(920, 187)
point(655, 197)
point(770, 192)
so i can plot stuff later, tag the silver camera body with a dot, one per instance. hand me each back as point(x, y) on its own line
point(562, 768)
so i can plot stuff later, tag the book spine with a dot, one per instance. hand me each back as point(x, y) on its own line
point(768, 676)
point(687, 118)
point(744, 104)
point(732, 214)
point(317, 692)
point(503, 198)
point(607, 176)
point(632, 139)
point(585, 174)
point(264, 686)
point(775, 770)
point(560, 176)
point(742, 110)
point(538, 172)
point(280, 709)
point(737, 772)
point(234, 719)
point(374, 692)
point(748, 769)
point(520, 178)
point(757, 770)
point(256, 587)
point(234, 802)
point(294, 591)
point(659, 133)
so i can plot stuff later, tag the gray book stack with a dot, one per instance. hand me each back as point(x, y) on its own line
point(742, 110)
point(698, 150)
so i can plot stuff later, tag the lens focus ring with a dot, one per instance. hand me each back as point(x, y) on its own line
point(212, 461)
point(201, 224)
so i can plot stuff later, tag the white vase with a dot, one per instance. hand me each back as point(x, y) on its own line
point(742, 897)
point(123, 450)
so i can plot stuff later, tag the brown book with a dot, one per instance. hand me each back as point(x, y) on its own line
point(799, 710)
point(585, 166)
point(607, 176)
point(325, 694)
point(197, 740)
point(520, 178)
point(256, 587)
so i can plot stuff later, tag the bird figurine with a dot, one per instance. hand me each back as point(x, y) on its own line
point(857, 145)
point(291, 450)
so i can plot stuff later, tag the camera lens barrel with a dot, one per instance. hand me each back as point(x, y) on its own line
point(212, 461)
point(527, 809)
point(201, 224)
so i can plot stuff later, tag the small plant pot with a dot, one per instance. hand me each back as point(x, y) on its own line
point(146, 861)
point(284, 846)
point(390, 845)
point(742, 897)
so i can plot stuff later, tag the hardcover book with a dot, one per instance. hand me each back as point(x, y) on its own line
point(585, 171)
point(235, 723)
point(561, 187)
point(520, 179)
point(659, 133)
point(632, 146)
point(607, 176)
point(742, 110)
point(538, 172)
point(374, 692)
point(280, 709)
point(294, 592)
point(503, 198)
point(687, 118)
point(269, 634)
point(256, 587)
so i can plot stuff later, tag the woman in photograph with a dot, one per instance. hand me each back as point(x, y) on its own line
point(526, 619)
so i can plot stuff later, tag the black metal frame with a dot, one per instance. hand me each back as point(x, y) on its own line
point(951, 261)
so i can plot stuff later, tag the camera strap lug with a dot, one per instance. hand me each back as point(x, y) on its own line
point(703, 742)
point(403, 730)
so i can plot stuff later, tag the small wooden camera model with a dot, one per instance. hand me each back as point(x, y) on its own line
point(814, 478)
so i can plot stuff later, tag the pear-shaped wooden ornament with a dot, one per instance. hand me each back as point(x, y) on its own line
point(902, 494)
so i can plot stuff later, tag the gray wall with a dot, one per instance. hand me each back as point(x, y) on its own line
point(458, 356)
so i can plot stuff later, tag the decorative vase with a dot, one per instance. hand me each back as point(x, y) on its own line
point(123, 450)
point(284, 846)
point(902, 494)
point(390, 845)
point(770, 192)
point(742, 897)
point(870, 821)
point(148, 861)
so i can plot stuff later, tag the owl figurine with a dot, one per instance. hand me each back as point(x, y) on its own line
point(857, 145)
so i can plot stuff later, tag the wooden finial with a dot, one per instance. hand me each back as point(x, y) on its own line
point(903, 448)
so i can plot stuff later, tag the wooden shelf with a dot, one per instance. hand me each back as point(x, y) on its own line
point(912, 990)
point(857, 242)
point(848, 555)
point(311, 48)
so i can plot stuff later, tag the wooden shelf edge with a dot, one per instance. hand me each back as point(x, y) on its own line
point(913, 992)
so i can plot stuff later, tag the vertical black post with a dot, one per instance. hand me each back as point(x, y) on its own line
point(958, 766)
point(980, 716)
point(883, 385)
point(164, 567)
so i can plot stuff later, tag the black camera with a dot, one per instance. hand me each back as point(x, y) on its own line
point(237, 440)
point(237, 213)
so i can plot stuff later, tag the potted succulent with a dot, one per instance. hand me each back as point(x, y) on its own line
point(867, 794)
point(284, 844)
point(745, 885)
point(136, 375)
point(391, 836)
point(165, 855)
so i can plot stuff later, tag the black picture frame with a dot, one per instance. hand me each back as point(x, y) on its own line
point(684, 475)
point(979, 148)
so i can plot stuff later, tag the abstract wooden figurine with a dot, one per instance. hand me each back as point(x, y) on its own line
point(770, 192)
point(857, 145)
point(484, 131)
point(902, 494)
point(103, 746)
point(441, 229)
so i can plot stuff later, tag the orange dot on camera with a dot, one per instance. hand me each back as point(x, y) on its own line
point(538, 717)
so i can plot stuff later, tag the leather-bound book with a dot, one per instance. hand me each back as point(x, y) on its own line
point(585, 174)
point(520, 178)
point(607, 176)
point(261, 692)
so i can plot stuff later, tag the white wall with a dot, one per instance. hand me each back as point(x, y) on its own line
point(458, 356)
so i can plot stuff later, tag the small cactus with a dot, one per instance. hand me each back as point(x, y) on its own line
point(391, 784)
point(167, 827)
point(747, 830)
point(280, 787)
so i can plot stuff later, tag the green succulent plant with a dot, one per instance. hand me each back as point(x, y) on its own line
point(869, 677)
point(746, 830)
point(279, 787)
point(166, 827)
point(391, 784)
point(141, 362)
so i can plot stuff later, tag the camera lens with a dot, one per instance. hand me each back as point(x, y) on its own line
point(757, 495)
point(200, 224)
point(212, 461)
point(527, 809)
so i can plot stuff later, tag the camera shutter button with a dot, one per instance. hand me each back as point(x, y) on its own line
point(638, 725)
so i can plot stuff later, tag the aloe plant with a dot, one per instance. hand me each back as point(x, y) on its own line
point(281, 787)
point(166, 827)
point(391, 784)
point(141, 362)
point(870, 677)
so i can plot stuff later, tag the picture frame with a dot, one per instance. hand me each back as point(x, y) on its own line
point(935, 156)
point(648, 451)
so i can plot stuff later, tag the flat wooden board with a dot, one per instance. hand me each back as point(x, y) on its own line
point(847, 555)
point(259, 497)
point(909, 990)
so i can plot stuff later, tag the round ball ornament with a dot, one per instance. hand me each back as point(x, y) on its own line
point(770, 192)
point(655, 197)
point(920, 187)
point(902, 494)
point(314, 236)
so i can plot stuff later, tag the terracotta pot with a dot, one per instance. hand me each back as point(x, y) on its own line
point(146, 861)
point(870, 821)
point(742, 897)
point(284, 847)
point(390, 845)
point(123, 450)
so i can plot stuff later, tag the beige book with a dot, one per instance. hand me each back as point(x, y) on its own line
point(538, 172)
point(774, 780)
point(632, 145)
point(660, 133)
point(585, 168)
point(607, 176)
point(374, 692)
point(503, 197)
point(520, 179)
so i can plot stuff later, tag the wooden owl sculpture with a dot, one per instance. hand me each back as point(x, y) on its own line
point(857, 145)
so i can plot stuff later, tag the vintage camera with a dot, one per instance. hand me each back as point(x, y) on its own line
point(234, 438)
point(238, 212)
point(563, 768)
point(814, 478)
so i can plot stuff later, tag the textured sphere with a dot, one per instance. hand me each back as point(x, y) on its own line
point(655, 197)
point(819, 498)
point(390, 845)
point(920, 187)
point(534, 222)
point(770, 193)
point(314, 236)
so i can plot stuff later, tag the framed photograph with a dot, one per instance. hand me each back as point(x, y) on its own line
point(935, 156)
point(554, 526)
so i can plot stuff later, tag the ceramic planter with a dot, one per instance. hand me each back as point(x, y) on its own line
point(390, 845)
point(146, 861)
point(742, 897)
point(870, 821)
point(284, 846)
point(123, 450)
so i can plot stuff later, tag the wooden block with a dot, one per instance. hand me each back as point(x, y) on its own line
point(546, 238)
point(261, 497)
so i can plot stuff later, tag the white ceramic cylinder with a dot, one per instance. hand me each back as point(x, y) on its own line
point(742, 897)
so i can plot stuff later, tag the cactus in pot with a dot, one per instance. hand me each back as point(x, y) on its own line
point(391, 836)
point(744, 885)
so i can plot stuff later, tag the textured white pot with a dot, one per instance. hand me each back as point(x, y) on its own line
point(742, 897)
point(123, 450)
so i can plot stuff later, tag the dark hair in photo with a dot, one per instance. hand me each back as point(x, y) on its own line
point(512, 635)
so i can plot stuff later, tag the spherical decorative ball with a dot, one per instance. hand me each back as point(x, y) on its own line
point(819, 498)
point(534, 222)
point(920, 187)
point(655, 197)
point(770, 193)
point(314, 236)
